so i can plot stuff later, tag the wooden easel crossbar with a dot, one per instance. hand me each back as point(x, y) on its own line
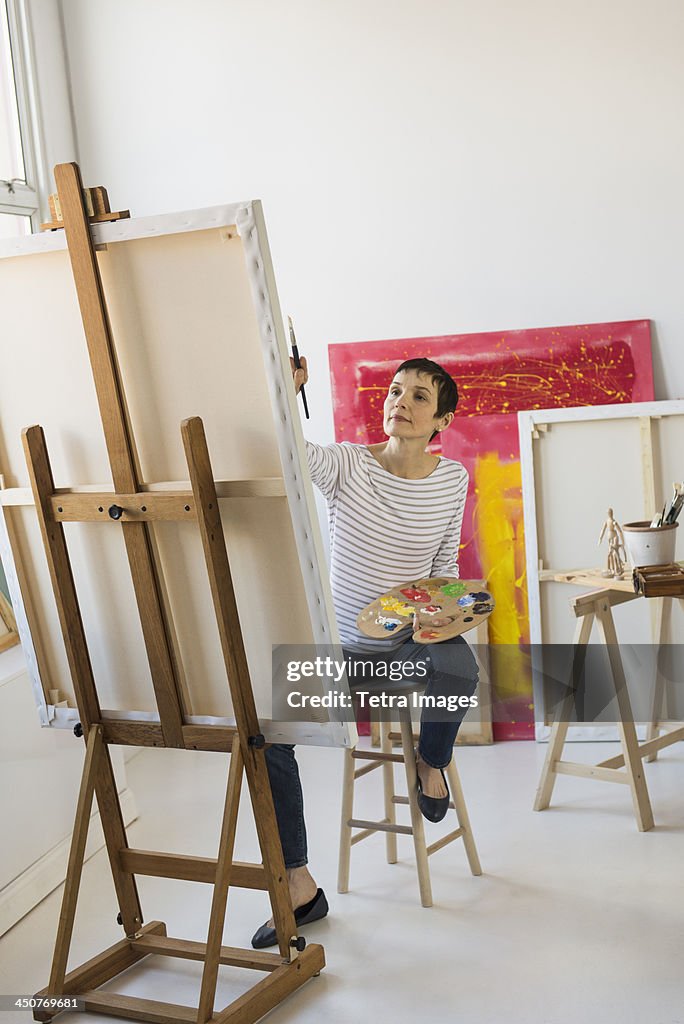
point(134, 509)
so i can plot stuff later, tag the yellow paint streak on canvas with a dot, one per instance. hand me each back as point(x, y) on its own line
point(501, 547)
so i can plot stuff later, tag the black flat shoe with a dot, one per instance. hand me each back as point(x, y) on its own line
point(433, 807)
point(314, 910)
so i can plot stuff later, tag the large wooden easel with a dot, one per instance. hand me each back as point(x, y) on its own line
point(134, 509)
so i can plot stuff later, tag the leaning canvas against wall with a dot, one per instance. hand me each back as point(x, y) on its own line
point(498, 374)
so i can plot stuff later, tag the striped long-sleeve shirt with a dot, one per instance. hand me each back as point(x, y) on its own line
point(384, 530)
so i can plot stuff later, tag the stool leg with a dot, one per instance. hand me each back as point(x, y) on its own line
point(462, 815)
point(345, 829)
point(416, 816)
point(388, 786)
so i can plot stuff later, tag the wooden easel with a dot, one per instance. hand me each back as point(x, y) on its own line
point(626, 767)
point(134, 509)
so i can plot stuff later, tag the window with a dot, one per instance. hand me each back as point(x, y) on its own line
point(19, 144)
point(11, 156)
point(19, 176)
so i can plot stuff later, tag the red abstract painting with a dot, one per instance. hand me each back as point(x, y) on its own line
point(498, 374)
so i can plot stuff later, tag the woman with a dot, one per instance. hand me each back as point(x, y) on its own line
point(395, 515)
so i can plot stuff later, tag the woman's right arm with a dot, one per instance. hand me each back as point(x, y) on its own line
point(327, 463)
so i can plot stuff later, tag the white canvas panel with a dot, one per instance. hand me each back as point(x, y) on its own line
point(197, 329)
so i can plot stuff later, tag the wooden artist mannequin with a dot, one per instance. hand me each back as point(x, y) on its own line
point(381, 523)
point(616, 543)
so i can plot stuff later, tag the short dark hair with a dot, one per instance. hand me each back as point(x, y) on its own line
point(447, 392)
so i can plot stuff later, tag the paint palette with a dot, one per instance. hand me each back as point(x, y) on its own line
point(444, 608)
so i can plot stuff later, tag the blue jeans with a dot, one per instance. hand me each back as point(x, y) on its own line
point(452, 671)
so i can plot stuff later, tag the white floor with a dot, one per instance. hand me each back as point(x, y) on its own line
point(578, 918)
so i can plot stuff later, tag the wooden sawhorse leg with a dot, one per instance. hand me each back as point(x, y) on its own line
point(587, 607)
point(663, 615)
point(634, 769)
point(559, 729)
point(660, 625)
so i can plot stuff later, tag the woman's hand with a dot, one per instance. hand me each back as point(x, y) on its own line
point(299, 376)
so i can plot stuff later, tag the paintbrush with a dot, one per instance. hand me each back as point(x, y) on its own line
point(298, 364)
point(676, 503)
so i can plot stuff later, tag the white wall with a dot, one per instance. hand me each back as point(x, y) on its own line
point(53, 96)
point(40, 773)
point(426, 167)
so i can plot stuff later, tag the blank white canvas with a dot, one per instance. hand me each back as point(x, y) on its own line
point(198, 331)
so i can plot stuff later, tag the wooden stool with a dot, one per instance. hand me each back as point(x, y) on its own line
point(385, 758)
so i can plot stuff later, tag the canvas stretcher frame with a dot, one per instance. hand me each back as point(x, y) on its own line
point(647, 431)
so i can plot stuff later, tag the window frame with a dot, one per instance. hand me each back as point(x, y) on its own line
point(21, 198)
